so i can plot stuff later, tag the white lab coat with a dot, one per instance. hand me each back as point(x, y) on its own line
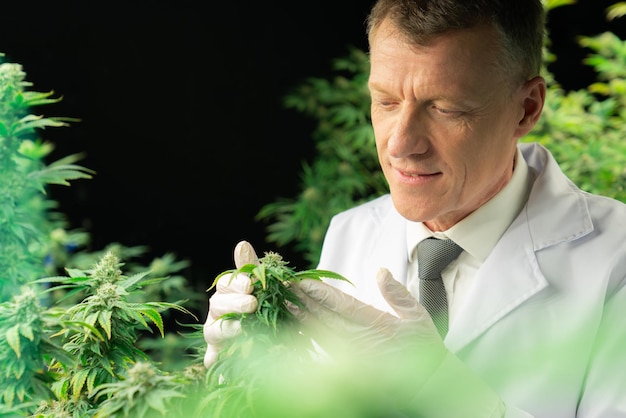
point(553, 287)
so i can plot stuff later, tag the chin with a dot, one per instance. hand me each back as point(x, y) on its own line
point(412, 209)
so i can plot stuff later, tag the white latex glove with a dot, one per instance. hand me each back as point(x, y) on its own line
point(338, 321)
point(425, 377)
point(232, 295)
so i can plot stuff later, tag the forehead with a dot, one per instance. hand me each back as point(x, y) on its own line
point(455, 56)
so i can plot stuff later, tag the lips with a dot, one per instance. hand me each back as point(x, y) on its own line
point(409, 174)
point(416, 177)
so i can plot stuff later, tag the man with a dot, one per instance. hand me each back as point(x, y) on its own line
point(536, 298)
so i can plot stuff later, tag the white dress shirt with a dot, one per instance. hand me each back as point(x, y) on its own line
point(492, 219)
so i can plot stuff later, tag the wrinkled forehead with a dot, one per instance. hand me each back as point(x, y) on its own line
point(460, 64)
point(478, 46)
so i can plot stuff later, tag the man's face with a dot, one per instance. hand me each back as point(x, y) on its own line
point(446, 122)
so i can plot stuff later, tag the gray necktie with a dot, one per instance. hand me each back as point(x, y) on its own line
point(433, 255)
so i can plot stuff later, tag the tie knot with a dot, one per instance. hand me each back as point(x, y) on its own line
point(433, 255)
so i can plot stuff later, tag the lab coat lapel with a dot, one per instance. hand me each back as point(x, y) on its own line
point(509, 277)
point(388, 251)
point(512, 274)
point(391, 247)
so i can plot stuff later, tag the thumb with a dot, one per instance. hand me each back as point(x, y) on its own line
point(398, 296)
point(245, 254)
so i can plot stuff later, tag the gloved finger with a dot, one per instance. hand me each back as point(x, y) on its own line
point(210, 356)
point(399, 297)
point(331, 332)
point(245, 254)
point(225, 303)
point(416, 318)
point(362, 334)
point(234, 283)
point(216, 331)
point(335, 307)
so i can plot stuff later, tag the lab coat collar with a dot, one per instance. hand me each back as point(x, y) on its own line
point(390, 248)
point(556, 212)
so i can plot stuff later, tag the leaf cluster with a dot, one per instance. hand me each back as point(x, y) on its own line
point(345, 170)
point(270, 334)
point(24, 222)
point(67, 359)
point(65, 336)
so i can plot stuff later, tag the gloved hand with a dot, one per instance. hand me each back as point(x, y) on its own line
point(341, 323)
point(232, 295)
point(406, 351)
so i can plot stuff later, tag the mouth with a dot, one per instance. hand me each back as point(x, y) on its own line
point(416, 177)
point(410, 174)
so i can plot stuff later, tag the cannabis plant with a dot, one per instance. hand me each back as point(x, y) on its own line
point(243, 374)
point(26, 346)
point(98, 335)
point(584, 129)
point(63, 338)
point(24, 222)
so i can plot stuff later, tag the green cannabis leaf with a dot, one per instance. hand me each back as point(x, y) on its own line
point(269, 335)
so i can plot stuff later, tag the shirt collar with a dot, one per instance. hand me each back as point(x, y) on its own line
point(491, 219)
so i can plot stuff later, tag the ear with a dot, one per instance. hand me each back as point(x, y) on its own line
point(533, 95)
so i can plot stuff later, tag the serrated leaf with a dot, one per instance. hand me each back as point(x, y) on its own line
point(155, 317)
point(91, 328)
point(60, 174)
point(27, 331)
point(104, 319)
point(20, 369)
point(318, 274)
point(92, 318)
point(77, 274)
point(30, 122)
point(9, 395)
point(12, 336)
point(36, 98)
point(131, 281)
point(78, 381)
point(259, 273)
point(93, 374)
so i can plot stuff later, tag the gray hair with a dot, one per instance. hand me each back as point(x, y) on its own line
point(521, 24)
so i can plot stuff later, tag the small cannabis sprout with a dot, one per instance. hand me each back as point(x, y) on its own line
point(24, 346)
point(145, 392)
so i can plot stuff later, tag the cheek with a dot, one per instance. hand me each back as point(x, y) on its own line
point(471, 164)
point(484, 168)
point(381, 139)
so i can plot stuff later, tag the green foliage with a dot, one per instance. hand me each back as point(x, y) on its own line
point(82, 359)
point(345, 171)
point(271, 278)
point(82, 344)
point(24, 221)
point(584, 129)
point(94, 343)
point(101, 331)
point(68, 358)
point(239, 383)
point(145, 392)
point(25, 344)
point(62, 338)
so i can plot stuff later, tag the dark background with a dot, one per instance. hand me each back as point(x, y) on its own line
point(181, 112)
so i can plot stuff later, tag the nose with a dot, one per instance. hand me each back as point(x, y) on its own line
point(409, 134)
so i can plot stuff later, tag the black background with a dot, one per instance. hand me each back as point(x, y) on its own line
point(181, 112)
